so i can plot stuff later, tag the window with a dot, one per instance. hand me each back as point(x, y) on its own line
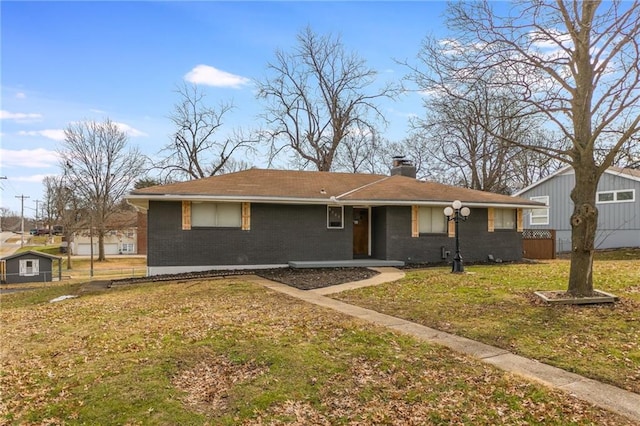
point(127, 248)
point(221, 215)
point(540, 216)
point(621, 196)
point(335, 217)
point(505, 219)
point(29, 267)
point(431, 220)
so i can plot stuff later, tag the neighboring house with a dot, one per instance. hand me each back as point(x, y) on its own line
point(616, 200)
point(29, 266)
point(268, 218)
point(120, 238)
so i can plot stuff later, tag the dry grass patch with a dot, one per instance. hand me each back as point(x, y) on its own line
point(228, 352)
point(495, 305)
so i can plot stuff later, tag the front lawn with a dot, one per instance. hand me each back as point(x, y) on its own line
point(494, 304)
point(229, 352)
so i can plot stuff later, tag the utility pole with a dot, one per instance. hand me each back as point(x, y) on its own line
point(37, 203)
point(22, 197)
point(1, 177)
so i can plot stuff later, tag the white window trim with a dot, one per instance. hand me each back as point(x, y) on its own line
point(615, 196)
point(341, 217)
point(541, 199)
point(35, 270)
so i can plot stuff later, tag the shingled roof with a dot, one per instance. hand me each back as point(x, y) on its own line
point(308, 187)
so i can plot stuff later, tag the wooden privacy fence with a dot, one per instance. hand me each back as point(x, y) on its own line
point(539, 243)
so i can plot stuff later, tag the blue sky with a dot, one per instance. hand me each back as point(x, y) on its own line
point(69, 61)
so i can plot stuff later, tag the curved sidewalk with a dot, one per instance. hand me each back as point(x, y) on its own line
point(602, 395)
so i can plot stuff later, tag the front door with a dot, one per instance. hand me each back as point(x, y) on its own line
point(360, 232)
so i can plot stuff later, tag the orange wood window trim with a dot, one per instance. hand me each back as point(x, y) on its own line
point(451, 228)
point(491, 219)
point(519, 221)
point(246, 216)
point(415, 226)
point(186, 215)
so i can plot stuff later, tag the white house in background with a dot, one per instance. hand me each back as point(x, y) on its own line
point(617, 200)
point(121, 237)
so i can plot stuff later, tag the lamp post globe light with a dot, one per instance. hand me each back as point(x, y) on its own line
point(456, 213)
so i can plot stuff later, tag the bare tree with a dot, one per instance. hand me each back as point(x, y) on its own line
point(317, 96)
point(64, 208)
point(100, 168)
point(466, 129)
point(195, 150)
point(574, 63)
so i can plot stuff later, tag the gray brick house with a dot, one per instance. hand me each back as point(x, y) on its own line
point(616, 200)
point(268, 218)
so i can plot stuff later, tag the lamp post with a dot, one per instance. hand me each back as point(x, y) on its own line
point(457, 213)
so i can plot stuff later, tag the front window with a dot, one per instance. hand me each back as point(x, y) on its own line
point(127, 247)
point(335, 217)
point(219, 215)
point(431, 220)
point(505, 219)
point(540, 216)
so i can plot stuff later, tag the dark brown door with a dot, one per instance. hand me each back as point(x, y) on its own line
point(360, 232)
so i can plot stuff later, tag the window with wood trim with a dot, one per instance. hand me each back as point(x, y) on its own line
point(215, 215)
point(431, 220)
point(504, 219)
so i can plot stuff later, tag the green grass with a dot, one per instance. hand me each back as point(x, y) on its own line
point(495, 305)
point(228, 352)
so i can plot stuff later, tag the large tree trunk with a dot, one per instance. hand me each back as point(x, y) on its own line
point(584, 221)
point(101, 255)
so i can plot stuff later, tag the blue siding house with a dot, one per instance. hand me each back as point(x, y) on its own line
point(617, 201)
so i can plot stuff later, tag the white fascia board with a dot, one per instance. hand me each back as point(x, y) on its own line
point(622, 175)
point(375, 203)
point(135, 200)
point(229, 199)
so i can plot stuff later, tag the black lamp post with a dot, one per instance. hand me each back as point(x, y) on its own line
point(457, 213)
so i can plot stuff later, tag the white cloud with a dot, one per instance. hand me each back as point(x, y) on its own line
point(134, 133)
point(7, 115)
point(32, 178)
point(29, 158)
point(55, 134)
point(21, 95)
point(210, 76)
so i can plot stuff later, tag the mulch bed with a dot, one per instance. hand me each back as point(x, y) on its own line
point(310, 278)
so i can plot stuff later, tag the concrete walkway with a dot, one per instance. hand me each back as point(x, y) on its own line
point(602, 395)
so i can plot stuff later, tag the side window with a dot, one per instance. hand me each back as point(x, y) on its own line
point(620, 196)
point(540, 216)
point(220, 215)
